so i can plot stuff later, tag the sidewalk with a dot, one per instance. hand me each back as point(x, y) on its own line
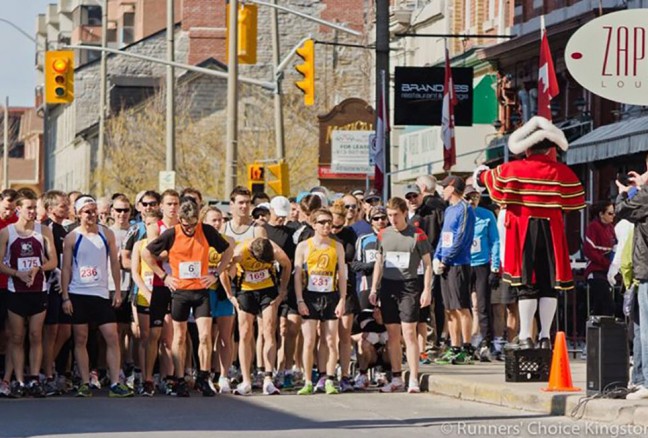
point(484, 382)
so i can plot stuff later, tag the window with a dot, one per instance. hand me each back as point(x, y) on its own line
point(128, 28)
point(91, 15)
point(491, 9)
point(129, 19)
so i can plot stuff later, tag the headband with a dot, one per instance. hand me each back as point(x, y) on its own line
point(82, 202)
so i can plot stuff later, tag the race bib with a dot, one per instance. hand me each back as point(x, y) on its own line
point(447, 239)
point(189, 270)
point(397, 259)
point(320, 283)
point(257, 276)
point(421, 269)
point(88, 274)
point(148, 280)
point(371, 255)
point(476, 245)
point(27, 263)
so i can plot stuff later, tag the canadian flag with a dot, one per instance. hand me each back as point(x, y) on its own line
point(447, 117)
point(547, 82)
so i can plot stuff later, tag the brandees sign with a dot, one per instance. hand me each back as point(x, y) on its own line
point(607, 56)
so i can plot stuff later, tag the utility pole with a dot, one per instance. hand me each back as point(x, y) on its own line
point(231, 165)
point(170, 91)
point(382, 65)
point(5, 152)
point(103, 98)
point(278, 104)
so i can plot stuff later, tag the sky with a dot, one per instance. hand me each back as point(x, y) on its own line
point(18, 75)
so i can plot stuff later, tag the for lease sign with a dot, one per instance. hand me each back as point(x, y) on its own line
point(608, 56)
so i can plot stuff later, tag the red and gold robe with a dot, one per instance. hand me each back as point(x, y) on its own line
point(535, 187)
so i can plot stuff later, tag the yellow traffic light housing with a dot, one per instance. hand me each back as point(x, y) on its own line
point(59, 76)
point(256, 178)
point(307, 69)
point(247, 34)
point(281, 185)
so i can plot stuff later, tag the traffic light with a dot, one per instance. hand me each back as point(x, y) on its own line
point(307, 69)
point(281, 185)
point(247, 34)
point(59, 76)
point(256, 178)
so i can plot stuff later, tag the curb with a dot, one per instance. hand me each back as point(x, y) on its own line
point(549, 403)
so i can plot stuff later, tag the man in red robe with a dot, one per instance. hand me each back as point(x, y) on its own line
point(535, 192)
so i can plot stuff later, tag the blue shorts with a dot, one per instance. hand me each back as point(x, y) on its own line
point(220, 307)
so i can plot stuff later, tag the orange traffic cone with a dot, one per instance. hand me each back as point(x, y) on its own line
point(560, 378)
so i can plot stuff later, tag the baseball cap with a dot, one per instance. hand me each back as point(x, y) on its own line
point(454, 181)
point(377, 211)
point(372, 194)
point(412, 188)
point(82, 202)
point(139, 197)
point(469, 190)
point(358, 192)
point(281, 206)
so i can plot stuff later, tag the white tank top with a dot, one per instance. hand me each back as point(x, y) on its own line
point(90, 265)
point(125, 276)
point(239, 237)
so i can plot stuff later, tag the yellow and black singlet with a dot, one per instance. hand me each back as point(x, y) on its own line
point(321, 268)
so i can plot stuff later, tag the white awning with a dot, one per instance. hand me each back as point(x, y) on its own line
point(617, 139)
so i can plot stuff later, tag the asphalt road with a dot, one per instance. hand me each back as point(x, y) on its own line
point(356, 415)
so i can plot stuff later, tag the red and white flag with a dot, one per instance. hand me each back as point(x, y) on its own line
point(378, 145)
point(547, 82)
point(447, 117)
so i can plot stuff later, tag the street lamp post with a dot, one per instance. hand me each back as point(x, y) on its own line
point(231, 165)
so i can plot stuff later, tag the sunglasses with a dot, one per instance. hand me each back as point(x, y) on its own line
point(373, 201)
point(121, 210)
point(337, 227)
point(379, 218)
point(411, 196)
point(149, 204)
point(325, 222)
point(609, 213)
point(351, 206)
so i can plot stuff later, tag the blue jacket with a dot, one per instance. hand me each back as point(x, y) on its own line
point(456, 235)
point(486, 242)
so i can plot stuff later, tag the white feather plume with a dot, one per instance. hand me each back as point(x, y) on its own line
point(533, 132)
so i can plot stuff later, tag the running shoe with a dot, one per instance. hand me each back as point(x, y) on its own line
point(17, 390)
point(50, 388)
point(361, 382)
point(462, 358)
point(484, 353)
point(94, 380)
point(321, 383)
point(35, 389)
point(269, 388)
point(257, 380)
point(396, 385)
point(446, 358)
point(84, 391)
point(288, 381)
point(413, 387)
point(148, 389)
point(329, 387)
point(224, 385)
point(345, 385)
point(206, 386)
point(5, 389)
point(243, 389)
point(119, 390)
point(180, 389)
point(307, 389)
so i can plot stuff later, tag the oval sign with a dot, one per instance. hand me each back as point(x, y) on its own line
point(609, 56)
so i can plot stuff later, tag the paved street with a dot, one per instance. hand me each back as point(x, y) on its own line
point(351, 415)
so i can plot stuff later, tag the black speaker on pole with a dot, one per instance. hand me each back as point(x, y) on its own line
point(607, 354)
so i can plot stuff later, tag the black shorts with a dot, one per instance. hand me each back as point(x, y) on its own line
point(27, 303)
point(503, 294)
point(143, 310)
point(184, 301)
point(4, 296)
point(160, 305)
point(55, 314)
point(289, 305)
point(256, 301)
point(455, 287)
point(400, 300)
point(351, 303)
point(88, 309)
point(321, 305)
point(123, 313)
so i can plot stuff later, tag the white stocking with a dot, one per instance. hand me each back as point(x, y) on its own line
point(547, 311)
point(527, 313)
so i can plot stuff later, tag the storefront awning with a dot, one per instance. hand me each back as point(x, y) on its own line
point(608, 141)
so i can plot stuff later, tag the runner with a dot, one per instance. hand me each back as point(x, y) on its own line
point(86, 252)
point(320, 286)
point(187, 245)
point(26, 251)
point(401, 249)
point(7, 216)
point(257, 294)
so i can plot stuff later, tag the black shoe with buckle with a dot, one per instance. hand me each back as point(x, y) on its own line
point(527, 344)
point(545, 344)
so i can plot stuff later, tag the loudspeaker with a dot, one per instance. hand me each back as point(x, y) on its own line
point(607, 354)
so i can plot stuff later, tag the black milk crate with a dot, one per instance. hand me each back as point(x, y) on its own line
point(528, 365)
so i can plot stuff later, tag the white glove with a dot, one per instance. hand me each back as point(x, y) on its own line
point(54, 281)
point(475, 178)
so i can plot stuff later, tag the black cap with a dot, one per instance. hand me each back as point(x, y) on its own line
point(454, 181)
point(372, 194)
